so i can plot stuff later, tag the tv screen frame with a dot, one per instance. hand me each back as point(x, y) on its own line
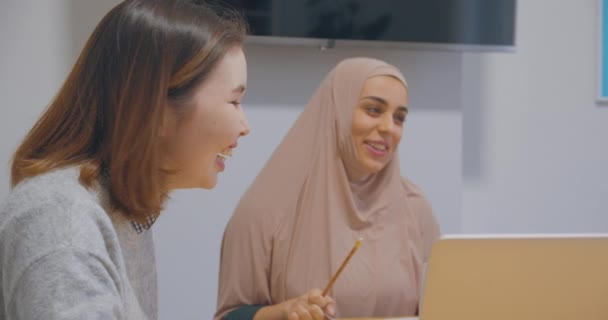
point(461, 25)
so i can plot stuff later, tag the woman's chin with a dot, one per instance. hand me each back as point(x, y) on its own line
point(204, 182)
point(372, 167)
point(209, 182)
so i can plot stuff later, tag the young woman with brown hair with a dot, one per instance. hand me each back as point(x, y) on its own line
point(152, 104)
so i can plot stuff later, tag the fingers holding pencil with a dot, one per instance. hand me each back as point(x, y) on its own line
point(310, 306)
point(326, 302)
point(316, 304)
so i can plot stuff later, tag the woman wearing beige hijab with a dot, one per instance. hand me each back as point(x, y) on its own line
point(333, 179)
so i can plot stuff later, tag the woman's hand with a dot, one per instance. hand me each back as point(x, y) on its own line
point(312, 305)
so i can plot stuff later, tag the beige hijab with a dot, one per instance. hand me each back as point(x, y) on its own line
point(301, 216)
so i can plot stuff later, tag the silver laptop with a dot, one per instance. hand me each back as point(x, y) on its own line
point(517, 277)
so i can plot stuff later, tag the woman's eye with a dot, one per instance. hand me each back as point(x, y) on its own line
point(373, 110)
point(400, 117)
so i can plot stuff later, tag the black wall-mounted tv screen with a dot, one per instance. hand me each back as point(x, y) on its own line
point(457, 22)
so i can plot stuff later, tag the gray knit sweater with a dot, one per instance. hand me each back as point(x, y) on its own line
point(64, 256)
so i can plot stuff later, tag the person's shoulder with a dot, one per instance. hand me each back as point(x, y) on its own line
point(58, 191)
point(55, 185)
point(422, 209)
point(417, 199)
point(411, 188)
point(257, 216)
point(51, 211)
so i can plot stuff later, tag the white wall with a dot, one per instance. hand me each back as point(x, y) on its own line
point(41, 40)
point(535, 143)
point(32, 67)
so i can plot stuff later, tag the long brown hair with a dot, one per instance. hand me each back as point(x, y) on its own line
point(144, 57)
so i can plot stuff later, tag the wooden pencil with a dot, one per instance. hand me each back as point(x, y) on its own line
point(350, 255)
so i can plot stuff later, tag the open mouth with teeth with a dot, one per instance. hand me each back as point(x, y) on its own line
point(378, 146)
point(226, 154)
point(223, 156)
point(377, 149)
point(220, 158)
